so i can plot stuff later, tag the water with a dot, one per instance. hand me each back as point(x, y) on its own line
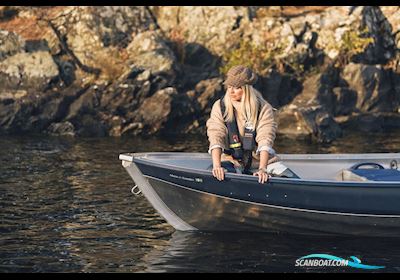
point(66, 206)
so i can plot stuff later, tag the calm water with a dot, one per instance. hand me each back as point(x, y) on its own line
point(66, 206)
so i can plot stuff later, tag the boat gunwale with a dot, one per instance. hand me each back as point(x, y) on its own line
point(143, 158)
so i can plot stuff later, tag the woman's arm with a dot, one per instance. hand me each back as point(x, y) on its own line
point(217, 133)
point(262, 170)
point(266, 129)
point(264, 157)
point(217, 170)
point(266, 132)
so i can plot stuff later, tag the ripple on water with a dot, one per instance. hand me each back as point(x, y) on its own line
point(67, 207)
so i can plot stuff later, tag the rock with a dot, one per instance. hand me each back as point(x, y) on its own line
point(313, 121)
point(292, 124)
point(116, 25)
point(33, 71)
point(198, 56)
point(371, 122)
point(310, 113)
point(207, 92)
point(133, 128)
point(395, 77)
point(162, 68)
point(345, 101)
point(120, 102)
point(63, 128)
point(156, 110)
point(149, 51)
point(197, 64)
point(8, 12)
point(36, 46)
point(145, 76)
point(165, 111)
point(85, 104)
point(10, 96)
point(380, 29)
point(67, 71)
point(278, 89)
point(89, 29)
point(318, 90)
point(90, 126)
point(216, 28)
point(10, 44)
point(124, 101)
point(19, 116)
point(373, 86)
point(23, 112)
point(392, 15)
point(324, 126)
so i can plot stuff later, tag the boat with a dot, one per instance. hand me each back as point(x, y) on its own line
point(334, 194)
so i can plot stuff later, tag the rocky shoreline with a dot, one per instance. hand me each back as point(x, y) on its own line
point(113, 71)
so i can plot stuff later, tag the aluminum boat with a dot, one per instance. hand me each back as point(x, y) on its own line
point(334, 194)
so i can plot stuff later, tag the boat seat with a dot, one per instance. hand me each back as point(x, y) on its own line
point(374, 172)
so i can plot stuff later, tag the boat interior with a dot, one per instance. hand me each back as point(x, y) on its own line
point(326, 167)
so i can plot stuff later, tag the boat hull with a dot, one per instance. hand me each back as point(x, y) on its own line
point(197, 201)
point(211, 212)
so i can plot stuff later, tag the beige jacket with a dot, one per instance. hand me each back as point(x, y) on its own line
point(266, 127)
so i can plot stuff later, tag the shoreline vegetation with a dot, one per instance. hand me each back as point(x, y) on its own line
point(148, 70)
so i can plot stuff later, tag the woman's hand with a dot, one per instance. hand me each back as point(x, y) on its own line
point(218, 172)
point(262, 176)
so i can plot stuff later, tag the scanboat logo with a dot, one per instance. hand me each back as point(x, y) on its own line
point(317, 260)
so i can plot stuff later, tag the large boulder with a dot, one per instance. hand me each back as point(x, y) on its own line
point(148, 50)
point(61, 129)
point(345, 101)
point(33, 71)
point(117, 25)
point(392, 15)
point(91, 28)
point(164, 111)
point(311, 112)
point(379, 28)
point(373, 85)
point(207, 92)
point(312, 122)
point(216, 28)
point(279, 89)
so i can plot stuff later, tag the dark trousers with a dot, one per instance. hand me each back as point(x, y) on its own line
point(227, 165)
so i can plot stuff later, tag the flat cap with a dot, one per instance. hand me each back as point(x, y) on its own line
point(239, 76)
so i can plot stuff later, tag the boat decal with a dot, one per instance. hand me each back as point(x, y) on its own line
point(198, 180)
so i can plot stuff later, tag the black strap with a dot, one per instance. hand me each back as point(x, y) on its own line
point(235, 144)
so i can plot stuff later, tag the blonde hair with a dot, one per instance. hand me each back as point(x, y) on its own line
point(252, 101)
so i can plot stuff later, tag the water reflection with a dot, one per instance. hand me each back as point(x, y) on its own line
point(66, 206)
point(261, 252)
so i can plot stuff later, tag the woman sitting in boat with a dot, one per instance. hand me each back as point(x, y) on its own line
point(241, 128)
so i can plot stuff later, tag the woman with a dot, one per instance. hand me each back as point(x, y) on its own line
point(242, 110)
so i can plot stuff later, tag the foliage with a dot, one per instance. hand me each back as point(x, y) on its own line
point(259, 58)
point(111, 61)
point(353, 42)
point(263, 58)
